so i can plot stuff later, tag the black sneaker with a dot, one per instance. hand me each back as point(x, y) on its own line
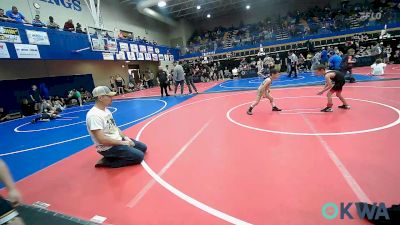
point(344, 107)
point(276, 109)
point(327, 109)
point(249, 112)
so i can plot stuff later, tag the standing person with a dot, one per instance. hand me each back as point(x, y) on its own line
point(34, 96)
point(324, 56)
point(308, 61)
point(44, 91)
point(112, 83)
point(335, 61)
point(338, 78)
point(293, 61)
point(270, 62)
point(146, 79)
point(316, 60)
point(260, 66)
point(117, 149)
point(264, 90)
point(120, 82)
point(278, 63)
point(347, 65)
point(151, 78)
point(179, 76)
point(169, 77)
point(220, 71)
point(189, 78)
point(8, 215)
point(162, 78)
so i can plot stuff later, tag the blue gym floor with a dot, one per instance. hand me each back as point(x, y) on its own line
point(303, 79)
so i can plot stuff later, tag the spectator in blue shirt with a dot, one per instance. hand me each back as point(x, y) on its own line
point(335, 61)
point(36, 22)
point(15, 15)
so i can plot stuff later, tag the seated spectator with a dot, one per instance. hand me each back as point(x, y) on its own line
point(3, 115)
point(79, 28)
point(57, 104)
point(69, 26)
point(86, 95)
point(27, 108)
point(46, 106)
point(117, 149)
point(51, 24)
point(4, 17)
point(37, 23)
point(378, 68)
point(15, 15)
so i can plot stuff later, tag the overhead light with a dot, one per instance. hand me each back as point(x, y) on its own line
point(162, 4)
point(198, 7)
point(208, 16)
point(247, 7)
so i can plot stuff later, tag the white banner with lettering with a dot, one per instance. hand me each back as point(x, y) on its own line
point(155, 57)
point(124, 47)
point(147, 56)
point(108, 56)
point(140, 56)
point(134, 47)
point(120, 55)
point(131, 55)
point(37, 37)
point(25, 51)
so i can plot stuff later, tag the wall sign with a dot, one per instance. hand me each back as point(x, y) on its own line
point(27, 51)
point(68, 4)
point(37, 37)
point(9, 34)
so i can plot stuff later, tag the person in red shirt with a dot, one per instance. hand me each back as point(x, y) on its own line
point(69, 26)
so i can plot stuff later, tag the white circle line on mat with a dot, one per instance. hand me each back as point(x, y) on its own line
point(392, 124)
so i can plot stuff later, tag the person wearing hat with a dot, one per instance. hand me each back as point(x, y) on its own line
point(117, 149)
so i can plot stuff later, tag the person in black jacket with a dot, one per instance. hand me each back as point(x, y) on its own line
point(189, 78)
point(163, 81)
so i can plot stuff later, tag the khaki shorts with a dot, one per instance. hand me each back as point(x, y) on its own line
point(260, 93)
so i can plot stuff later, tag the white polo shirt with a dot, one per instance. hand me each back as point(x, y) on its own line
point(97, 119)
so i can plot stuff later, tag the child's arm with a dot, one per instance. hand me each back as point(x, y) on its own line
point(328, 83)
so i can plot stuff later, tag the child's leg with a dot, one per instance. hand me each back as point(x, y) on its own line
point(339, 95)
point(258, 99)
point(270, 98)
point(249, 111)
point(329, 96)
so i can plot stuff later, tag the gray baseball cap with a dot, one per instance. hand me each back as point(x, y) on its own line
point(102, 90)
